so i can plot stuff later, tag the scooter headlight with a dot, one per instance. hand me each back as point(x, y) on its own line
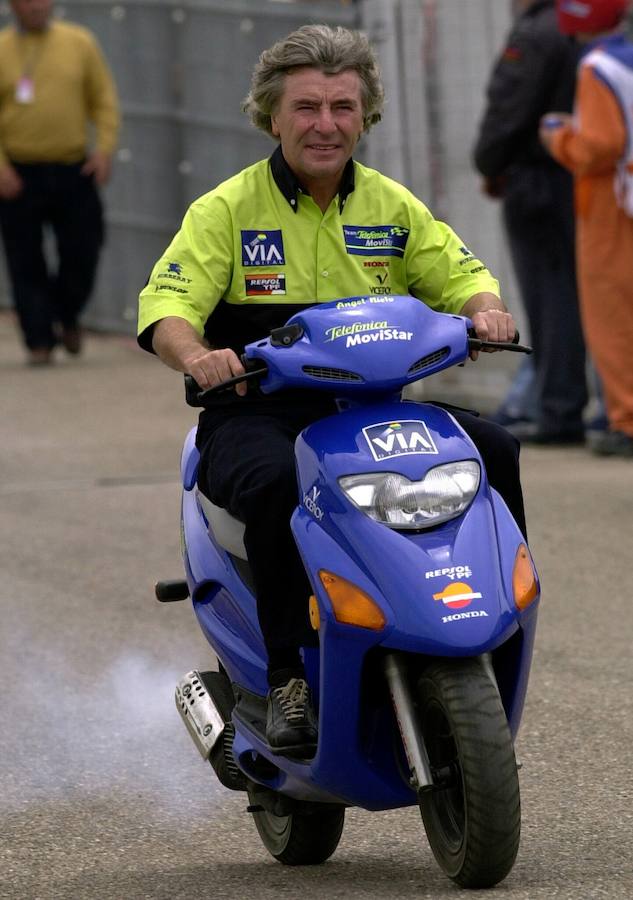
point(389, 498)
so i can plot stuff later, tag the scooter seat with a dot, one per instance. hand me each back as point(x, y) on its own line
point(227, 530)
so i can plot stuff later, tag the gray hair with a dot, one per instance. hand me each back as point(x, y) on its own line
point(331, 50)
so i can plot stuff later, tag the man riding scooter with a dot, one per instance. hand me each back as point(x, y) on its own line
point(307, 225)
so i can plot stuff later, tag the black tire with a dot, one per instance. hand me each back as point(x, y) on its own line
point(301, 838)
point(472, 817)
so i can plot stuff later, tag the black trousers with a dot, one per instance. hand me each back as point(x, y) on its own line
point(58, 196)
point(539, 221)
point(247, 466)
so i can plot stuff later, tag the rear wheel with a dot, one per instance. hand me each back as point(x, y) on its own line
point(472, 816)
point(301, 838)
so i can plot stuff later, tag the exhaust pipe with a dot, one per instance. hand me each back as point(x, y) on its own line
point(202, 717)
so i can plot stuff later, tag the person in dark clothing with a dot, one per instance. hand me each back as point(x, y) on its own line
point(535, 73)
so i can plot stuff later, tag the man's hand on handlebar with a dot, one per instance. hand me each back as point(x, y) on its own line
point(492, 325)
point(211, 367)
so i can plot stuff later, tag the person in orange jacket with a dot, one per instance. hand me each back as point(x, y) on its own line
point(595, 144)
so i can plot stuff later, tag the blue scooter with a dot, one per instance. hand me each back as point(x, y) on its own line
point(424, 598)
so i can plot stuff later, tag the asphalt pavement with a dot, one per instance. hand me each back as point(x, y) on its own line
point(103, 794)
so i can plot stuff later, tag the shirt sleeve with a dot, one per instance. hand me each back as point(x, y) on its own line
point(521, 79)
point(441, 270)
point(101, 99)
point(193, 274)
point(594, 143)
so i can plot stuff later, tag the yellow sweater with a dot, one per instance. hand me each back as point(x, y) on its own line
point(72, 87)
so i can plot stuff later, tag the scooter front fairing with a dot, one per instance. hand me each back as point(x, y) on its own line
point(444, 591)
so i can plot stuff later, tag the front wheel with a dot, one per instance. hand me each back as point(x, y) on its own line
point(472, 816)
point(301, 838)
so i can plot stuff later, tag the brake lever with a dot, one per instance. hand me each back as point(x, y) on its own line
point(231, 382)
point(476, 344)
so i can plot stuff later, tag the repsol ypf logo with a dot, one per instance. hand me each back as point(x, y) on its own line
point(262, 248)
point(265, 285)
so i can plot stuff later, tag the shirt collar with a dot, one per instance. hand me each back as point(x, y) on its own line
point(291, 187)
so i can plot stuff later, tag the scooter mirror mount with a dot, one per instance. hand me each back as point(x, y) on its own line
point(286, 336)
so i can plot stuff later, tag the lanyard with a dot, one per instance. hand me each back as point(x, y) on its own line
point(29, 57)
point(25, 87)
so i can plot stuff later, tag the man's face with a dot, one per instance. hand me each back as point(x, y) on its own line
point(319, 120)
point(32, 15)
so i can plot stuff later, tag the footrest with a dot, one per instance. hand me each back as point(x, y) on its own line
point(171, 591)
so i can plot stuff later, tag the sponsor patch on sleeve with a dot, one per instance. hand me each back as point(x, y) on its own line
point(262, 285)
point(375, 240)
point(262, 248)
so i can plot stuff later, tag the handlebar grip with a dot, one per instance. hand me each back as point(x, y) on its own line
point(231, 382)
point(192, 390)
point(251, 365)
point(195, 396)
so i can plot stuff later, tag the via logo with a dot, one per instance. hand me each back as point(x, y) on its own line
point(388, 439)
point(311, 503)
point(262, 248)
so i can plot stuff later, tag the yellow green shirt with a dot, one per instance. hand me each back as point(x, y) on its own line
point(256, 247)
point(71, 87)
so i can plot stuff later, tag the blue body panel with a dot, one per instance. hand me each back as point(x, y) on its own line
point(381, 341)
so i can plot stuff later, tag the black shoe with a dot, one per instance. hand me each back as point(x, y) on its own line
point(40, 356)
point(613, 443)
point(598, 423)
point(72, 340)
point(291, 725)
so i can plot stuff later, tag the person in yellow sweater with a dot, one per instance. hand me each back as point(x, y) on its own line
point(55, 91)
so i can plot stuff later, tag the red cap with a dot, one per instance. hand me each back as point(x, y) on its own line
point(589, 16)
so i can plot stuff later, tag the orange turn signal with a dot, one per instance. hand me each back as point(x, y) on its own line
point(524, 584)
point(351, 606)
point(315, 615)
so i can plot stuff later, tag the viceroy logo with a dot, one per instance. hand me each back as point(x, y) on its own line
point(311, 503)
point(388, 439)
point(381, 287)
point(262, 248)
